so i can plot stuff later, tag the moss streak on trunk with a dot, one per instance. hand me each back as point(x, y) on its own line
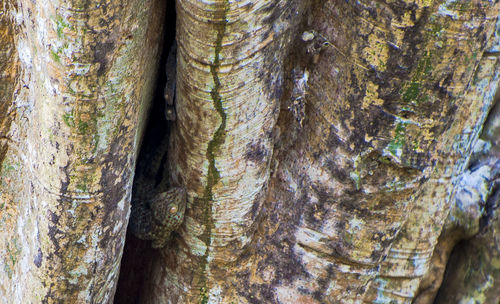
point(213, 175)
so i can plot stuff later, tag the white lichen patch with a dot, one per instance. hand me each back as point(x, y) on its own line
point(117, 228)
point(381, 285)
point(50, 87)
point(76, 273)
point(81, 68)
point(82, 239)
point(121, 203)
point(214, 295)
point(472, 192)
point(355, 225)
point(445, 11)
point(473, 187)
point(25, 56)
point(41, 29)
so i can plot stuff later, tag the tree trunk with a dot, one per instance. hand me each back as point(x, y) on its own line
point(80, 103)
point(329, 150)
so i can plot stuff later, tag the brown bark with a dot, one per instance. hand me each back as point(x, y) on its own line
point(376, 131)
point(474, 188)
point(86, 80)
point(230, 58)
point(322, 145)
point(9, 67)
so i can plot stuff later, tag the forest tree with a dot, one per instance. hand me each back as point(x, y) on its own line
point(333, 151)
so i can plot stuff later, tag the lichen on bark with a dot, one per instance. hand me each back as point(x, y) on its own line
point(222, 140)
point(76, 143)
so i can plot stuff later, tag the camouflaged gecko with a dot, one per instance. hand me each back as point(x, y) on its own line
point(156, 217)
point(157, 210)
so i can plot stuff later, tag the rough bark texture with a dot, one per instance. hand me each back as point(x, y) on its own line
point(474, 188)
point(386, 114)
point(473, 269)
point(323, 146)
point(415, 245)
point(230, 57)
point(9, 68)
point(88, 69)
point(372, 133)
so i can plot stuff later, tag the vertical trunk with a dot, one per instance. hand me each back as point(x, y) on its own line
point(412, 254)
point(386, 111)
point(9, 67)
point(469, 210)
point(371, 116)
point(230, 58)
point(321, 144)
point(88, 72)
point(473, 273)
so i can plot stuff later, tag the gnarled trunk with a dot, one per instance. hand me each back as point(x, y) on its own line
point(329, 150)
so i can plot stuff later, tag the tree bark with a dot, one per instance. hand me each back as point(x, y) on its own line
point(326, 148)
point(71, 146)
point(384, 131)
point(230, 58)
point(476, 195)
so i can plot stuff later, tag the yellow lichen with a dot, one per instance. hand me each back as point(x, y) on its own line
point(377, 52)
point(371, 96)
